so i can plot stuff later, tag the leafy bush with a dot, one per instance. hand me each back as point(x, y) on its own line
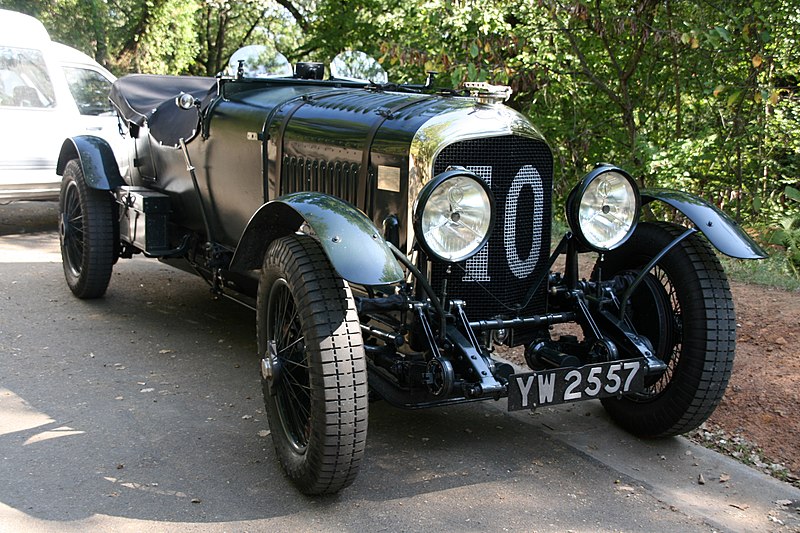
point(788, 234)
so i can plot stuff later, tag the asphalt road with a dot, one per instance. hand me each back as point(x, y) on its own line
point(141, 411)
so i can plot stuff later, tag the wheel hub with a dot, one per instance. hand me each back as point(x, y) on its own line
point(62, 226)
point(269, 362)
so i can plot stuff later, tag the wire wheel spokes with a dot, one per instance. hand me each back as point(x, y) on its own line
point(313, 371)
point(665, 329)
point(290, 381)
point(72, 229)
point(675, 342)
point(684, 308)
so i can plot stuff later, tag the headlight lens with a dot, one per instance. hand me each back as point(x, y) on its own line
point(604, 208)
point(454, 215)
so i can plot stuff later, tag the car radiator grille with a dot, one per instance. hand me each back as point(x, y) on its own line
point(496, 281)
point(335, 178)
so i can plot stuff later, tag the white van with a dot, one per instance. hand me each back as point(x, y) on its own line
point(48, 92)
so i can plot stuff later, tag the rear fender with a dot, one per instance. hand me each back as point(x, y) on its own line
point(353, 244)
point(100, 170)
point(720, 229)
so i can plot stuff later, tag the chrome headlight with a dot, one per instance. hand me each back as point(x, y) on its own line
point(603, 209)
point(454, 215)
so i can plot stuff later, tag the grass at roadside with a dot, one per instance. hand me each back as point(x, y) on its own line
point(773, 271)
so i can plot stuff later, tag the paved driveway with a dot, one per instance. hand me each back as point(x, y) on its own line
point(141, 411)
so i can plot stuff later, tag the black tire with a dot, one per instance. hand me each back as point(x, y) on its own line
point(313, 375)
point(86, 233)
point(685, 308)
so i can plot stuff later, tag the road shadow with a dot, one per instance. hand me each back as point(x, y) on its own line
point(146, 404)
point(28, 217)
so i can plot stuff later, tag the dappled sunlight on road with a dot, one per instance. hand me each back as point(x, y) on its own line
point(725, 509)
point(30, 248)
point(63, 431)
point(145, 487)
point(694, 480)
point(104, 522)
point(17, 415)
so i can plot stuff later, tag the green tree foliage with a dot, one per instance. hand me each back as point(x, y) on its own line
point(155, 36)
point(167, 43)
point(222, 27)
point(163, 36)
point(698, 96)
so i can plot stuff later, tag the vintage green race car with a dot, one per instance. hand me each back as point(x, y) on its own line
point(389, 237)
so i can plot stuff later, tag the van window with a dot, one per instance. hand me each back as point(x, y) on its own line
point(90, 90)
point(24, 81)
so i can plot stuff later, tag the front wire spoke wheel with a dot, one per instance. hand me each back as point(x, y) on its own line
point(685, 309)
point(671, 352)
point(292, 383)
point(71, 229)
point(313, 367)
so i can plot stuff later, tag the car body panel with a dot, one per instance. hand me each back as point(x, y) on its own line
point(720, 229)
point(260, 140)
point(96, 157)
point(352, 243)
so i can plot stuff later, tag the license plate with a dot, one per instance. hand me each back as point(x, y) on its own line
point(562, 385)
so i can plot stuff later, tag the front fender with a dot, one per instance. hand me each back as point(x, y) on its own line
point(720, 229)
point(351, 241)
point(100, 170)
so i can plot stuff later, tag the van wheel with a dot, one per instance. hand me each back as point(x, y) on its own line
point(86, 233)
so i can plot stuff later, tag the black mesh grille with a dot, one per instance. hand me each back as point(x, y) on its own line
point(497, 279)
point(334, 178)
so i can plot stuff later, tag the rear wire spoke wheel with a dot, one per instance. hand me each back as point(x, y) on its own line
point(86, 234)
point(313, 371)
point(685, 308)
